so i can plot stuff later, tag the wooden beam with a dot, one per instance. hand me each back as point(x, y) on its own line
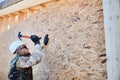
point(12, 20)
point(22, 16)
point(5, 23)
point(28, 12)
point(1, 22)
point(111, 10)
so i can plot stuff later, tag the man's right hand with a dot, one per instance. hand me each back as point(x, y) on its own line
point(35, 39)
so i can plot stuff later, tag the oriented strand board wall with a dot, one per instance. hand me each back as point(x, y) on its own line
point(76, 32)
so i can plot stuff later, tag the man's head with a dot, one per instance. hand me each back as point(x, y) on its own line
point(19, 47)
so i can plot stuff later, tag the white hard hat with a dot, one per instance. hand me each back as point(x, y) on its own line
point(14, 45)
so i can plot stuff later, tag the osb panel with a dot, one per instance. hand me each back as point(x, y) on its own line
point(76, 33)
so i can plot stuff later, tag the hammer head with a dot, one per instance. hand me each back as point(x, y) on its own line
point(19, 35)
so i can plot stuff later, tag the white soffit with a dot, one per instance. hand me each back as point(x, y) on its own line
point(21, 5)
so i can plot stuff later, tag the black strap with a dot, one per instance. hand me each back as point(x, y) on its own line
point(13, 70)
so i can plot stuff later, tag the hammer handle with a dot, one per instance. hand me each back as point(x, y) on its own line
point(25, 36)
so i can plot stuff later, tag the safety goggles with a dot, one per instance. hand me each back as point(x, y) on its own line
point(21, 47)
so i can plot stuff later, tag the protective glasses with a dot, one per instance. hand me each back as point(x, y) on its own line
point(20, 47)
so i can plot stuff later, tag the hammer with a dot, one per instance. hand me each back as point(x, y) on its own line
point(23, 36)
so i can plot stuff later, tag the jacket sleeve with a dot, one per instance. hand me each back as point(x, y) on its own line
point(33, 59)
